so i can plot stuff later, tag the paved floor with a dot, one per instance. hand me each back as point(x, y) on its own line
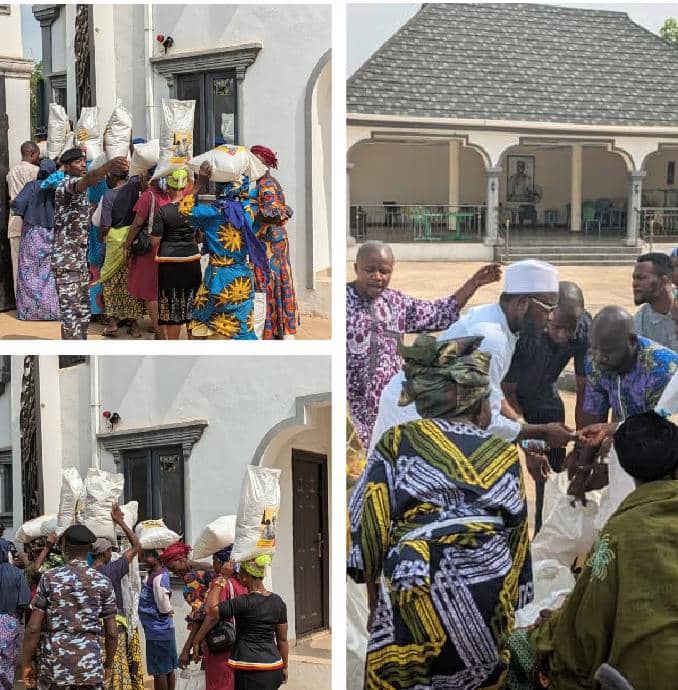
point(429, 280)
point(312, 328)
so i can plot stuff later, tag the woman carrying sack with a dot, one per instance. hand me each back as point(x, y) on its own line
point(259, 655)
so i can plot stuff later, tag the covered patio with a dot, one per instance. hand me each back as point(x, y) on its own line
point(483, 146)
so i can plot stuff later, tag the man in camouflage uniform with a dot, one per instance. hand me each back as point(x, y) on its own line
point(71, 601)
point(71, 225)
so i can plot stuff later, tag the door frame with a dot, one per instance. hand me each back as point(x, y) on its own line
point(322, 461)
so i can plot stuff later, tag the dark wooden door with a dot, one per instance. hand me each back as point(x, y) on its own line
point(311, 552)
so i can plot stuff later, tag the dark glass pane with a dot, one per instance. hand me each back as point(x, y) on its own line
point(137, 480)
point(71, 360)
point(190, 89)
point(171, 477)
point(6, 488)
point(223, 110)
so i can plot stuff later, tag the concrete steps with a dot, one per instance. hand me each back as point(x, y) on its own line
point(571, 254)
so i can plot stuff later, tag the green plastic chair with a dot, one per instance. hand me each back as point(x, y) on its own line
point(588, 214)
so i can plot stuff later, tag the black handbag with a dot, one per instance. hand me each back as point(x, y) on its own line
point(222, 636)
point(142, 242)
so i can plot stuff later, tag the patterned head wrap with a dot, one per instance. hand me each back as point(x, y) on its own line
point(178, 179)
point(257, 566)
point(444, 379)
point(224, 555)
point(175, 552)
point(265, 155)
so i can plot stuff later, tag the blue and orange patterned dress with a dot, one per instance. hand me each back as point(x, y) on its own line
point(224, 303)
point(271, 215)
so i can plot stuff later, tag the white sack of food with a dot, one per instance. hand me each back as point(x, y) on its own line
point(165, 167)
point(216, 536)
point(58, 128)
point(32, 529)
point(49, 526)
point(257, 521)
point(154, 534)
point(230, 163)
point(131, 512)
point(98, 162)
point(102, 490)
point(87, 134)
point(144, 157)
point(118, 132)
point(568, 531)
point(176, 129)
point(70, 499)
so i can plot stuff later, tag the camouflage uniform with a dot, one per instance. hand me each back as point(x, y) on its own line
point(69, 258)
point(74, 598)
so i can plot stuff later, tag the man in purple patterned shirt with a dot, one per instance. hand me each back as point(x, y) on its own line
point(376, 320)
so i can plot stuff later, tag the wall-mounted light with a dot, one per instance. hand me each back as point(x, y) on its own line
point(112, 418)
point(165, 41)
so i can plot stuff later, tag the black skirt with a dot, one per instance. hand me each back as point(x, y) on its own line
point(177, 285)
point(258, 680)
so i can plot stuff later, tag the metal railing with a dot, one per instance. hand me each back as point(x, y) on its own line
point(395, 222)
point(658, 223)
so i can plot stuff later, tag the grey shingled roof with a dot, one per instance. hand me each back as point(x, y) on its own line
point(521, 62)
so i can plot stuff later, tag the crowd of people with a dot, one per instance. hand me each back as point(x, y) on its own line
point(94, 243)
point(439, 517)
point(84, 602)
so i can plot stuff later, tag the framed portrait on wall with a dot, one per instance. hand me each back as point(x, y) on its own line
point(520, 179)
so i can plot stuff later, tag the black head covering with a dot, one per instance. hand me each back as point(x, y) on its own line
point(79, 535)
point(72, 155)
point(647, 446)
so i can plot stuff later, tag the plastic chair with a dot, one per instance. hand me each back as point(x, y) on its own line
point(588, 213)
point(610, 679)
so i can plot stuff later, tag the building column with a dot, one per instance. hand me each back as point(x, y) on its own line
point(633, 207)
point(49, 429)
point(350, 241)
point(575, 188)
point(454, 160)
point(492, 215)
point(46, 15)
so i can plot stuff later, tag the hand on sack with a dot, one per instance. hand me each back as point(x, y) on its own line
point(205, 170)
point(119, 164)
point(52, 538)
point(117, 514)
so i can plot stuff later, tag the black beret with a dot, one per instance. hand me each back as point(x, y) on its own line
point(79, 535)
point(72, 155)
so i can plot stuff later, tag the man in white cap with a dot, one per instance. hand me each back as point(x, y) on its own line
point(530, 294)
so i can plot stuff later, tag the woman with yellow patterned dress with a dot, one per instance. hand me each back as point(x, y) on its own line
point(439, 531)
point(224, 304)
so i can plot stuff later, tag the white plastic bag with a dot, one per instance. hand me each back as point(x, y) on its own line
point(259, 314)
point(118, 132)
point(230, 163)
point(550, 576)
point(70, 499)
point(357, 612)
point(620, 485)
point(32, 529)
point(58, 127)
point(668, 403)
point(154, 534)
point(176, 129)
point(257, 521)
point(131, 512)
point(102, 490)
point(190, 679)
point(87, 134)
point(216, 536)
point(528, 614)
point(567, 531)
point(144, 157)
point(49, 526)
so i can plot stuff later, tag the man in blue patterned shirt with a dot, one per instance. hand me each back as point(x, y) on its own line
point(71, 601)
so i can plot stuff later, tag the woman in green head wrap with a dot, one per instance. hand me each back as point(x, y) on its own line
point(259, 656)
point(439, 530)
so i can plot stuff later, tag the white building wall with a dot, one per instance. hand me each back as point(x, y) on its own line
point(59, 56)
point(10, 30)
point(17, 90)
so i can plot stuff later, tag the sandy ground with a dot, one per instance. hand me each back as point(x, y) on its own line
point(429, 280)
point(312, 328)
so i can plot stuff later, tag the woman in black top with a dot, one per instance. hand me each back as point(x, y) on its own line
point(179, 275)
point(259, 656)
